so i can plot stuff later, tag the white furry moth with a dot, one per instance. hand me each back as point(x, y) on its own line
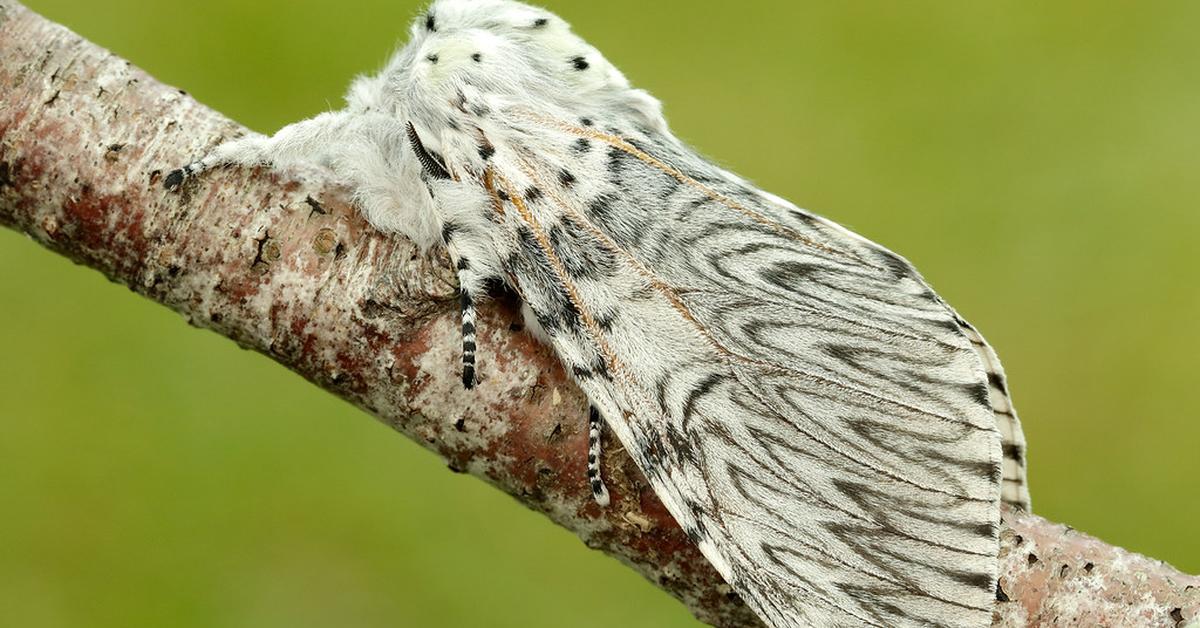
point(834, 437)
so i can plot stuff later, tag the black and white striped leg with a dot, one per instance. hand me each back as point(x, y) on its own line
point(595, 425)
point(307, 141)
point(468, 339)
point(176, 177)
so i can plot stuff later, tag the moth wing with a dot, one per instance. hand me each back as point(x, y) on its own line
point(810, 412)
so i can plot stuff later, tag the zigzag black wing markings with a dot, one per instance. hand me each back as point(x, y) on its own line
point(812, 414)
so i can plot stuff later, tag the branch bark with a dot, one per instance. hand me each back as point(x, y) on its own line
point(286, 267)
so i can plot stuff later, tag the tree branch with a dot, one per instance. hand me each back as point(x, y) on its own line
point(286, 267)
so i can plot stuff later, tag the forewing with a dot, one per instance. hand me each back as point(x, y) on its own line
point(808, 409)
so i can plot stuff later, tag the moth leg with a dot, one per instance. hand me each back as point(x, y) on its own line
point(472, 285)
point(468, 338)
point(305, 141)
point(595, 426)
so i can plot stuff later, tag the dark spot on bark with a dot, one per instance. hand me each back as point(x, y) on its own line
point(1033, 559)
point(314, 207)
point(261, 245)
point(174, 180)
point(461, 424)
point(1088, 567)
point(1062, 571)
point(1177, 615)
point(1001, 596)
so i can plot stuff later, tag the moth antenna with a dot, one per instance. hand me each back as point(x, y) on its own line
point(432, 167)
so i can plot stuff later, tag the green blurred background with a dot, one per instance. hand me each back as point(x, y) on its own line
point(1037, 161)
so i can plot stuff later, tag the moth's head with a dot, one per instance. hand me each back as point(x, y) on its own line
point(471, 64)
point(475, 72)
